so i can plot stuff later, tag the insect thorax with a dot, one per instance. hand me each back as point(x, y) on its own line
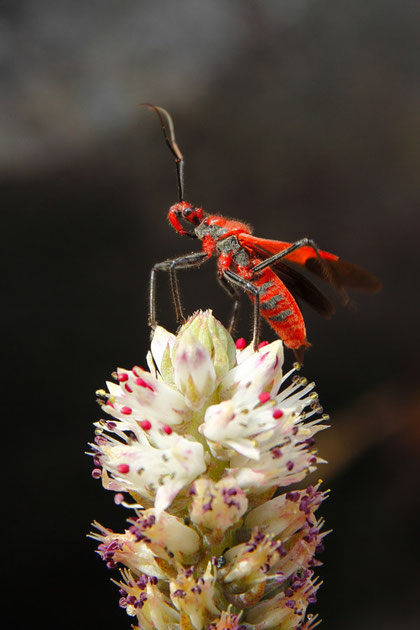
point(213, 230)
point(226, 246)
point(231, 246)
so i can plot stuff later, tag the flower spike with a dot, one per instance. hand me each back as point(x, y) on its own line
point(201, 448)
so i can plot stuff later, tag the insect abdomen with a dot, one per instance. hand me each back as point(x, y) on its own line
point(280, 310)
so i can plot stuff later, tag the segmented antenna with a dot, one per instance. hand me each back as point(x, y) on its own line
point(171, 142)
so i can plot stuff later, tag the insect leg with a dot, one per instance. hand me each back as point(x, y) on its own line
point(234, 294)
point(176, 296)
point(171, 266)
point(245, 285)
point(303, 242)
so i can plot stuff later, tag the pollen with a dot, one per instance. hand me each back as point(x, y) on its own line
point(126, 410)
point(123, 468)
point(240, 343)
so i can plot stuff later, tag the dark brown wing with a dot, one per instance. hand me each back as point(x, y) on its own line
point(344, 274)
point(303, 288)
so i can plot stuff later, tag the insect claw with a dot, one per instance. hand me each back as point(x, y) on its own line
point(299, 354)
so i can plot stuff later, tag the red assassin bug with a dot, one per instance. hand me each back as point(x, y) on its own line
point(256, 266)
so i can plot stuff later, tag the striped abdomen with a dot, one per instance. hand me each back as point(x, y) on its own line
point(280, 310)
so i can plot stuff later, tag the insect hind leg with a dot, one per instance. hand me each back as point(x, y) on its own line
point(233, 292)
point(305, 242)
point(237, 281)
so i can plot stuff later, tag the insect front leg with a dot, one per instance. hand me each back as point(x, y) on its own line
point(237, 281)
point(171, 266)
point(234, 294)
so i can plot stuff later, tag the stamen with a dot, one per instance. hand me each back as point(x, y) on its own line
point(277, 413)
point(240, 343)
point(123, 468)
point(142, 383)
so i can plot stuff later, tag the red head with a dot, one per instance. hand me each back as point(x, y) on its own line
point(185, 211)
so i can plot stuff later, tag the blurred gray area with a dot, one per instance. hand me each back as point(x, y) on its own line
point(74, 70)
point(299, 117)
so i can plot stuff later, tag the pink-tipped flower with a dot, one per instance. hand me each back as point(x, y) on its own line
point(196, 447)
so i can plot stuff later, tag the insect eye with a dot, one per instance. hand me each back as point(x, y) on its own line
point(187, 212)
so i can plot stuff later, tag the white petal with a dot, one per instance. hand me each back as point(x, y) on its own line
point(259, 372)
point(162, 339)
point(152, 399)
point(153, 472)
point(195, 375)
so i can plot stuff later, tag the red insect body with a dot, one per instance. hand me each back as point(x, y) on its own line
point(280, 310)
point(257, 266)
point(241, 254)
point(277, 305)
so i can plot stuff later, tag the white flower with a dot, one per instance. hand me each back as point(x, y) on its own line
point(260, 430)
point(201, 441)
point(154, 473)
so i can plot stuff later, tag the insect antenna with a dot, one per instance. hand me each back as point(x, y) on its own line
point(171, 142)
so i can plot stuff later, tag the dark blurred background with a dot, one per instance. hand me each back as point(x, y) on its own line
point(300, 117)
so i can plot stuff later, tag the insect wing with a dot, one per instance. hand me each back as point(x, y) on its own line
point(345, 274)
point(332, 269)
point(303, 288)
point(266, 247)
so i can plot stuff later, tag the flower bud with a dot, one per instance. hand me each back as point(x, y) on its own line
point(215, 338)
point(194, 598)
point(195, 376)
point(217, 506)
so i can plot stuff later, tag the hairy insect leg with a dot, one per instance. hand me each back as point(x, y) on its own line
point(237, 281)
point(234, 294)
point(171, 266)
point(304, 242)
point(176, 295)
